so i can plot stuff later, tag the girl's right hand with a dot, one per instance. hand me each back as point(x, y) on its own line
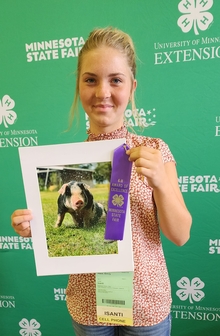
point(20, 221)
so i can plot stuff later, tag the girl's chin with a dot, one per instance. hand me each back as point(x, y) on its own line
point(106, 121)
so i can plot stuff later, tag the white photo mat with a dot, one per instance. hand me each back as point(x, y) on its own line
point(68, 154)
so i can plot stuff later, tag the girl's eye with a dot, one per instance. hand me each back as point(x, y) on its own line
point(90, 80)
point(116, 80)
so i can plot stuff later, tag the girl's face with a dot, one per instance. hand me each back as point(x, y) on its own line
point(105, 87)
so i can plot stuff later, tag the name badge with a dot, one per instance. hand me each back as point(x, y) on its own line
point(114, 297)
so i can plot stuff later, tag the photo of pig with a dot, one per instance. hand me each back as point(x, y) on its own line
point(74, 201)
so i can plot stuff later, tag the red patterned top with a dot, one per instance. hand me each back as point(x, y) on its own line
point(151, 298)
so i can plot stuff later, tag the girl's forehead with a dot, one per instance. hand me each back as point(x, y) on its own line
point(102, 49)
point(103, 56)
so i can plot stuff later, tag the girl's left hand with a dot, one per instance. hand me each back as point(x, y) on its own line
point(148, 162)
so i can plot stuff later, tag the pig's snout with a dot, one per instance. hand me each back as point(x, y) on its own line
point(79, 204)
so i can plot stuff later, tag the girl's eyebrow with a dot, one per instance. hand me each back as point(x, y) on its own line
point(89, 73)
point(110, 75)
point(117, 74)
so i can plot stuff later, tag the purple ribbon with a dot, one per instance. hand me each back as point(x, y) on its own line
point(118, 196)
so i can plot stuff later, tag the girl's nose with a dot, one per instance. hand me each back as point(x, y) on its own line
point(103, 91)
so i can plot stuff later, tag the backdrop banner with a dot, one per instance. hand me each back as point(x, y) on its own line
point(178, 100)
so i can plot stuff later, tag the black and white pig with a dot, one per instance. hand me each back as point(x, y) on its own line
point(76, 199)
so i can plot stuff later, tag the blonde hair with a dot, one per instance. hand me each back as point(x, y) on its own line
point(109, 37)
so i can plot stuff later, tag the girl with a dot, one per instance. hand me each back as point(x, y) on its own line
point(105, 85)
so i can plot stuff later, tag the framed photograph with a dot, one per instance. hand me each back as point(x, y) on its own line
point(67, 189)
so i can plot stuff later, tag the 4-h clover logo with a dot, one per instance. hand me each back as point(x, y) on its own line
point(196, 15)
point(7, 116)
point(118, 200)
point(190, 290)
point(29, 328)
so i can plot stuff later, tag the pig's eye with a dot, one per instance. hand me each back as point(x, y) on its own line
point(68, 191)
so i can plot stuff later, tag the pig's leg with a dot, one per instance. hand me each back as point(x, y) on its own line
point(77, 219)
point(60, 218)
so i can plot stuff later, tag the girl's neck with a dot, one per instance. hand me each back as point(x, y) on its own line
point(115, 134)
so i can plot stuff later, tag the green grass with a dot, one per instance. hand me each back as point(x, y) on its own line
point(68, 240)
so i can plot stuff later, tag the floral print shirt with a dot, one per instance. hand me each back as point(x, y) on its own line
point(151, 285)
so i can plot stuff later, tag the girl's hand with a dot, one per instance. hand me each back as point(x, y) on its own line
point(20, 221)
point(174, 218)
point(148, 162)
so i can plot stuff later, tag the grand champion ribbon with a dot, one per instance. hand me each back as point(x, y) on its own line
point(118, 196)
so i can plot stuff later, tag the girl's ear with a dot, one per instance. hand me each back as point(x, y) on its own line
point(134, 84)
point(133, 88)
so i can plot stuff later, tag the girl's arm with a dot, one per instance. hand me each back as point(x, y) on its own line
point(174, 218)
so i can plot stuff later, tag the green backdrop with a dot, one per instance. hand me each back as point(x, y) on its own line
point(178, 99)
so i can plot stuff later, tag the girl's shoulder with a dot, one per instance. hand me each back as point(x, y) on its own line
point(134, 140)
point(140, 140)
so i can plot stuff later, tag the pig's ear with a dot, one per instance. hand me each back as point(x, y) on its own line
point(86, 186)
point(63, 189)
